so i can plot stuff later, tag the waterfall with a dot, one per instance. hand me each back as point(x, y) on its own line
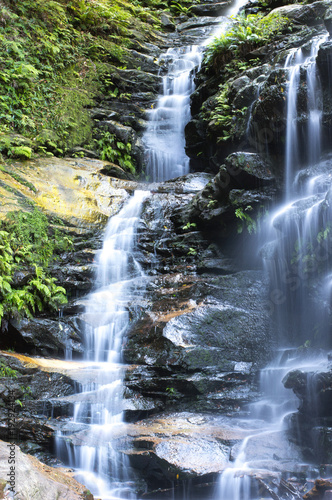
point(298, 248)
point(296, 62)
point(164, 138)
point(99, 405)
point(292, 148)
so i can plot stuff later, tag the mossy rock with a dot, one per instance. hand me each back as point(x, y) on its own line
point(8, 142)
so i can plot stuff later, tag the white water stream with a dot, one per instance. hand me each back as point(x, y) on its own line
point(164, 138)
point(102, 469)
point(299, 221)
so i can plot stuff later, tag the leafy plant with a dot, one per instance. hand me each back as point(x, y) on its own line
point(246, 220)
point(27, 244)
point(115, 151)
point(22, 152)
point(189, 225)
point(172, 392)
point(6, 371)
point(245, 34)
point(178, 8)
point(224, 118)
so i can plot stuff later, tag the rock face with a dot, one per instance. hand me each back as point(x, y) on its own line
point(78, 194)
point(33, 479)
point(255, 97)
point(202, 330)
point(312, 425)
point(240, 193)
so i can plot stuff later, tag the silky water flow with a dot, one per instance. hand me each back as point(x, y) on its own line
point(98, 407)
point(164, 138)
point(294, 224)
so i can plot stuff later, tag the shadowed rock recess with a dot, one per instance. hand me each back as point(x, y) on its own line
point(206, 320)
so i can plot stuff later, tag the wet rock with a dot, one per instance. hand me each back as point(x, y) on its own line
point(215, 205)
point(311, 14)
point(318, 491)
point(209, 9)
point(249, 170)
point(191, 183)
point(42, 336)
point(328, 20)
point(167, 22)
point(146, 62)
point(82, 152)
point(34, 479)
point(198, 23)
point(134, 80)
point(268, 119)
point(113, 170)
point(216, 332)
point(314, 389)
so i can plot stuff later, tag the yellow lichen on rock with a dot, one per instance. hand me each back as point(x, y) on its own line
point(72, 189)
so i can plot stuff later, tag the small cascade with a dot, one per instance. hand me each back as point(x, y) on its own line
point(266, 423)
point(99, 406)
point(295, 63)
point(164, 137)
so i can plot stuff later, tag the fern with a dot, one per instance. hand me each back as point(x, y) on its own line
point(25, 239)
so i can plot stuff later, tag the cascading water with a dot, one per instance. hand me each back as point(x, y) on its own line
point(293, 158)
point(100, 403)
point(296, 233)
point(164, 138)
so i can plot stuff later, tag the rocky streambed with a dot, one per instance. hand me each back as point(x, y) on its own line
point(186, 363)
point(200, 333)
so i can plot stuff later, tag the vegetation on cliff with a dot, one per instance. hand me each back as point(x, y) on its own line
point(232, 53)
point(55, 57)
point(27, 245)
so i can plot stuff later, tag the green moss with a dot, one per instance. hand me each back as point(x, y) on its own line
point(21, 152)
point(18, 178)
point(49, 52)
point(27, 244)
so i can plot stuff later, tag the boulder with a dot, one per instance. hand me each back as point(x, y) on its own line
point(167, 22)
point(42, 336)
point(134, 80)
point(318, 491)
point(33, 479)
point(209, 9)
point(328, 20)
point(78, 194)
point(311, 14)
point(314, 389)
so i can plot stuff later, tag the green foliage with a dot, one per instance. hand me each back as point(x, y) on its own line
point(245, 34)
point(6, 371)
point(178, 8)
point(172, 392)
point(224, 118)
point(189, 225)
point(27, 244)
point(22, 152)
point(113, 150)
point(192, 252)
point(51, 52)
point(245, 220)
